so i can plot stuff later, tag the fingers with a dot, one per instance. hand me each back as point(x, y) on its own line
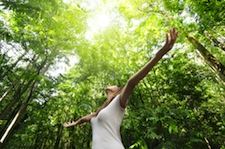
point(68, 124)
point(167, 37)
point(171, 37)
point(173, 34)
point(65, 125)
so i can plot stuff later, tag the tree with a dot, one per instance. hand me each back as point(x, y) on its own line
point(179, 104)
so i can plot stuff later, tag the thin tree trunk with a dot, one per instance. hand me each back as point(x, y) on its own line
point(21, 89)
point(13, 123)
point(59, 134)
point(19, 115)
point(37, 141)
point(16, 99)
point(72, 142)
point(4, 115)
point(4, 95)
point(43, 143)
point(21, 112)
point(209, 58)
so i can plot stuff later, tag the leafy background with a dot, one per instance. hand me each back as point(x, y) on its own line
point(57, 57)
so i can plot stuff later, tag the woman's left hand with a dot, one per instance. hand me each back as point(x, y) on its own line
point(170, 40)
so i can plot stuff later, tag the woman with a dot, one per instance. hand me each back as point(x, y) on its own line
point(107, 119)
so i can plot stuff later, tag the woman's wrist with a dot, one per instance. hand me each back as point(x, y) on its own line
point(79, 121)
point(162, 51)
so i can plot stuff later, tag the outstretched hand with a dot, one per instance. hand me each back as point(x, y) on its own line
point(170, 40)
point(80, 121)
point(69, 124)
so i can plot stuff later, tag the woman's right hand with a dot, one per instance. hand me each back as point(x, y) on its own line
point(71, 123)
point(82, 120)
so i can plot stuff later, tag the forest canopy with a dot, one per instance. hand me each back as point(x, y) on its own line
point(58, 56)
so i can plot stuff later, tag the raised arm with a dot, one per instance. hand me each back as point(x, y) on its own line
point(137, 77)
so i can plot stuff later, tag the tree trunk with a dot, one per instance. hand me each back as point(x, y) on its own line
point(13, 123)
point(59, 134)
point(19, 115)
point(209, 58)
point(39, 138)
point(21, 112)
point(5, 114)
point(9, 108)
point(10, 115)
point(21, 89)
point(4, 95)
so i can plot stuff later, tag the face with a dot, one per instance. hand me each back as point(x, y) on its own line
point(112, 89)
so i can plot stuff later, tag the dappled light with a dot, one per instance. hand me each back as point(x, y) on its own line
point(60, 60)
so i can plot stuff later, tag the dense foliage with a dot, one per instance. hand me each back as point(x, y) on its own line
point(180, 104)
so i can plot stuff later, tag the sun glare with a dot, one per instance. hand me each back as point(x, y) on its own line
point(101, 15)
point(98, 23)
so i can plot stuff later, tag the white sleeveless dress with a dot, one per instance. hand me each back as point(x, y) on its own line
point(106, 126)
